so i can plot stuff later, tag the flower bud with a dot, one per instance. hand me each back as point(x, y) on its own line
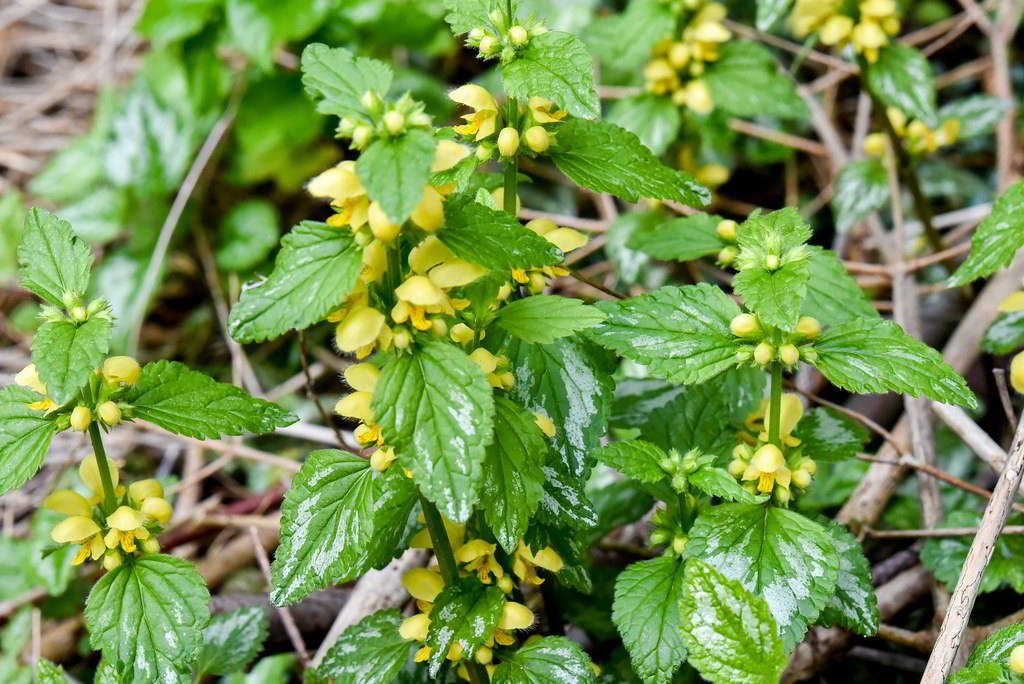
point(121, 370)
point(517, 35)
point(508, 141)
point(79, 314)
point(736, 467)
point(727, 230)
point(679, 54)
point(744, 325)
point(402, 338)
point(727, 255)
point(81, 417)
point(394, 122)
point(484, 655)
point(506, 584)
point(484, 152)
point(382, 458)
point(487, 45)
point(1016, 660)
point(382, 226)
point(874, 144)
point(1017, 372)
point(515, 616)
point(111, 560)
point(771, 262)
point(109, 413)
point(789, 354)
point(801, 478)
point(742, 452)
point(361, 136)
point(158, 509)
point(782, 495)
point(151, 545)
point(808, 326)
point(537, 138)
point(810, 466)
point(476, 34)
point(764, 353)
point(679, 545)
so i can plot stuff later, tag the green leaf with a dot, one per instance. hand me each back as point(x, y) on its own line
point(985, 673)
point(745, 81)
point(874, 356)
point(513, 475)
point(73, 172)
point(776, 232)
point(604, 157)
point(682, 239)
point(770, 11)
point(861, 189)
point(149, 615)
point(48, 673)
point(565, 502)
point(833, 296)
point(775, 296)
point(854, 604)
point(248, 234)
point(66, 354)
point(186, 402)
point(436, 408)
point(1005, 335)
point(315, 270)
point(646, 611)
point(545, 318)
point(901, 77)
point(465, 15)
point(336, 80)
point(256, 27)
point(546, 660)
point(492, 238)
point(945, 556)
point(53, 261)
point(326, 518)
point(680, 333)
point(653, 119)
point(98, 217)
point(565, 382)
point(827, 435)
point(233, 640)
point(997, 647)
point(465, 614)
point(717, 482)
point(25, 436)
point(624, 42)
point(395, 170)
point(369, 652)
point(166, 21)
point(774, 553)
point(996, 239)
point(557, 67)
point(730, 632)
point(635, 459)
point(976, 114)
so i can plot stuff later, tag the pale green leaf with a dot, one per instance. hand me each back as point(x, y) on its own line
point(248, 234)
point(635, 459)
point(337, 80)
point(770, 11)
point(624, 41)
point(546, 660)
point(492, 238)
point(465, 614)
point(996, 240)
point(48, 673)
point(777, 296)
point(73, 172)
point(682, 239)
point(369, 652)
point(985, 673)
point(976, 114)
point(395, 170)
point(717, 482)
point(557, 67)
point(67, 353)
point(901, 77)
point(186, 402)
point(25, 436)
point(166, 21)
point(53, 261)
point(233, 640)
point(314, 272)
point(652, 118)
point(465, 15)
point(745, 81)
point(862, 188)
point(544, 318)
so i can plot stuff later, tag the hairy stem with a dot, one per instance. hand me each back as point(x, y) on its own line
point(109, 497)
point(775, 407)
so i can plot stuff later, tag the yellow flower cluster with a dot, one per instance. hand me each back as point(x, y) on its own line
point(483, 121)
point(566, 239)
point(712, 174)
point(765, 464)
point(919, 139)
point(143, 510)
point(116, 371)
point(879, 20)
point(678, 65)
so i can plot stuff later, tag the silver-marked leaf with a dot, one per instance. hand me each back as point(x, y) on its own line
point(717, 482)
point(976, 114)
point(862, 187)
point(854, 604)
point(465, 614)
point(746, 81)
point(546, 660)
point(232, 640)
point(827, 435)
point(901, 77)
point(369, 652)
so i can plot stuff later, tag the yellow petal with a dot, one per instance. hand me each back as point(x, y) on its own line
point(428, 254)
point(429, 213)
point(423, 584)
point(515, 616)
point(67, 502)
point(1017, 372)
point(356, 405)
point(455, 273)
point(28, 377)
point(157, 509)
point(548, 559)
point(1015, 302)
point(448, 154)
point(362, 377)
point(360, 328)
point(420, 291)
point(144, 489)
point(121, 370)
point(566, 239)
point(472, 550)
point(90, 474)
point(484, 359)
point(74, 530)
point(836, 29)
point(768, 459)
point(790, 414)
point(415, 627)
point(125, 519)
point(475, 97)
point(541, 109)
point(783, 476)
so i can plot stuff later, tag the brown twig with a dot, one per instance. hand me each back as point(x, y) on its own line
point(311, 392)
point(290, 628)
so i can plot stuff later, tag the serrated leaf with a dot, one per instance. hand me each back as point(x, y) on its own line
point(635, 459)
point(646, 611)
point(565, 502)
point(827, 435)
point(369, 652)
point(985, 673)
point(777, 296)
point(717, 482)
point(998, 647)
point(315, 270)
point(874, 356)
point(945, 556)
point(66, 354)
point(901, 77)
point(492, 238)
point(557, 67)
point(513, 477)
point(326, 519)
point(395, 170)
point(775, 232)
point(186, 402)
point(996, 239)
point(256, 27)
point(617, 503)
point(682, 239)
point(233, 640)
point(976, 114)
point(545, 318)
point(1005, 335)
point(652, 118)
point(337, 80)
point(465, 15)
point(745, 81)
point(604, 157)
point(548, 659)
point(730, 633)
point(833, 296)
point(465, 614)
point(854, 604)
point(624, 41)
point(680, 333)
point(52, 259)
point(25, 436)
point(862, 187)
point(699, 418)
point(775, 553)
point(436, 408)
point(149, 615)
point(48, 673)
point(564, 382)
point(770, 11)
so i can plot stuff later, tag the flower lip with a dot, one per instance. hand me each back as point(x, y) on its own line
point(74, 530)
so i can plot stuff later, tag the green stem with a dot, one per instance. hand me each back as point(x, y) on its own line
point(511, 165)
point(394, 269)
point(449, 571)
point(775, 408)
point(109, 497)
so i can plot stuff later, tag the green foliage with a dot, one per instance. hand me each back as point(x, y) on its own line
point(48, 673)
point(647, 613)
point(557, 67)
point(683, 239)
point(998, 646)
point(624, 41)
point(1005, 335)
point(256, 27)
point(315, 270)
point(394, 171)
point(827, 435)
point(945, 556)
point(491, 238)
point(550, 659)
point(66, 353)
point(604, 157)
point(186, 402)
point(901, 77)
point(545, 318)
point(370, 651)
point(25, 436)
point(465, 614)
point(655, 120)
point(996, 240)
point(148, 617)
point(53, 261)
point(436, 408)
point(165, 21)
point(636, 459)
point(770, 11)
point(977, 114)
point(233, 640)
point(729, 631)
point(862, 187)
point(336, 80)
point(248, 234)
point(854, 604)
point(745, 81)
point(832, 293)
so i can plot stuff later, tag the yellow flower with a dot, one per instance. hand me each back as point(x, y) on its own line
point(836, 30)
point(28, 377)
point(768, 467)
point(423, 584)
point(361, 329)
point(1017, 372)
point(543, 111)
point(382, 227)
point(342, 187)
point(1014, 302)
point(456, 534)
point(418, 296)
point(526, 563)
point(362, 377)
point(448, 154)
point(429, 213)
point(792, 410)
point(515, 616)
point(126, 525)
point(545, 424)
point(90, 474)
point(868, 37)
point(478, 557)
point(660, 77)
point(79, 529)
point(484, 119)
point(121, 370)
point(809, 15)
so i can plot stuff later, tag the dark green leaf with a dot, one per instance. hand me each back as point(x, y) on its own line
point(464, 614)
point(232, 640)
point(546, 660)
point(996, 240)
point(717, 482)
point(646, 611)
point(653, 119)
point(636, 459)
point(998, 647)
point(53, 261)
point(395, 170)
point(745, 81)
point(624, 42)
point(901, 77)
point(545, 318)
point(833, 296)
point(1005, 335)
point(682, 239)
point(248, 234)
point(557, 67)
point(492, 238)
point(854, 605)
point(369, 652)
point(862, 188)
point(827, 435)
point(337, 80)
point(256, 27)
point(66, 354)
point(985, 673)
point(25, 436)
point(945, 556)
